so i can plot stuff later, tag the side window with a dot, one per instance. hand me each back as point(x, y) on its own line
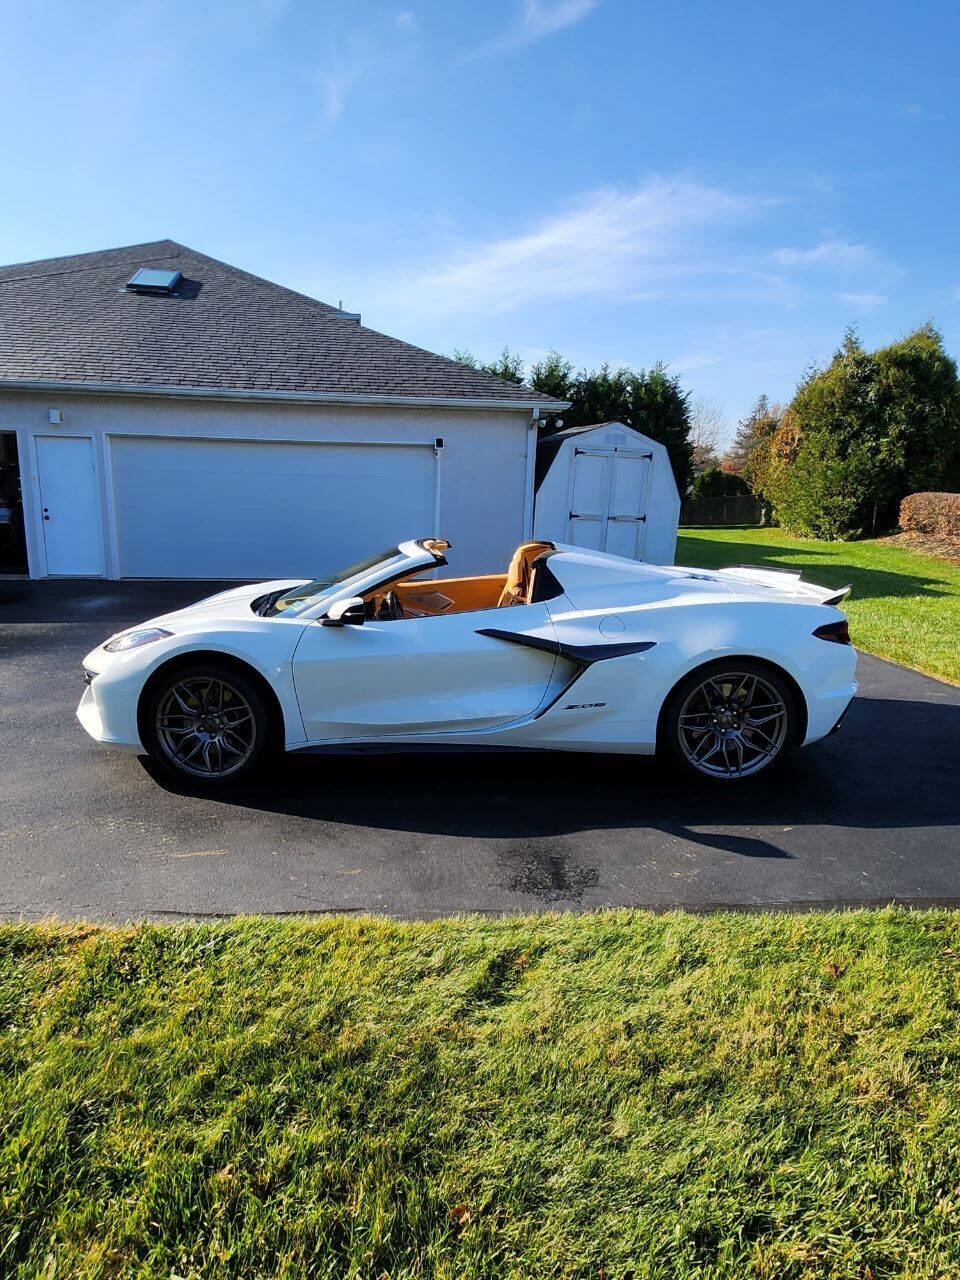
point(545, 585)
point(397, 605)
point(528, 581)
point(417, 597)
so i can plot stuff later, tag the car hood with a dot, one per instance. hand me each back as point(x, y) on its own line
point(234, 603)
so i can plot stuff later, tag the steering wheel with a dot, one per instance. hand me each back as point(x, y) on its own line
point(391, 609)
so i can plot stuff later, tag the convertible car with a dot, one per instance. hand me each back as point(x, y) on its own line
point(570, 649)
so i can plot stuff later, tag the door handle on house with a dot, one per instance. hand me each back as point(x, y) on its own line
point(46, 513)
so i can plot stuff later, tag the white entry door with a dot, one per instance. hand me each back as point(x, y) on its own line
point(70, 506)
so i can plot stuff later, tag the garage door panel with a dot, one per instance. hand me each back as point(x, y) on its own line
point(252, 509)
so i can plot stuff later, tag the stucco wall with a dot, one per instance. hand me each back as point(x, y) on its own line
point(483, 463)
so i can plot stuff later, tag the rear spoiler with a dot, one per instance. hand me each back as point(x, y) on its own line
point(788, 580)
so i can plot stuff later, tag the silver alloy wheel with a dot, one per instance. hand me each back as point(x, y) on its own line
point(732, 724)
point(205, 726)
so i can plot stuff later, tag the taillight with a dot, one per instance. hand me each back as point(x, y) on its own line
point(838, 632)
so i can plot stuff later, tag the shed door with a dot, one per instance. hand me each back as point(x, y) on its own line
point(187, 508)
point(608, 497)
point(626, 517)
point(589, 498)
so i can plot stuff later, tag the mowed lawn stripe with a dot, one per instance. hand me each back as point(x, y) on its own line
point(608, 1095)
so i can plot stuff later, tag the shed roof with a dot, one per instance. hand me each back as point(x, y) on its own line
point(73, 321)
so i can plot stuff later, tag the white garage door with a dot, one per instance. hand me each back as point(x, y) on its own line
point(263, 509)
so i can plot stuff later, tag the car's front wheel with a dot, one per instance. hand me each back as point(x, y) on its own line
point(730, 720)
point(206, 723)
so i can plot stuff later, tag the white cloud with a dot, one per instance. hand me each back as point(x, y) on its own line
point(863, 301)
point(543, 17)
point(359, 55)
point(334, 88)
point(685, 363)
point(538, 19)
point(621, 244)
point(829, 253)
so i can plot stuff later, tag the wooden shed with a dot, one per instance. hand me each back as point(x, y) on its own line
point(610, 488)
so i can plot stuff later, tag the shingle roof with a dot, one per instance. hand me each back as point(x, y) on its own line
point(71, 320)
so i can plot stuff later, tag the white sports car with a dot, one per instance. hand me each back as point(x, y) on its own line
point(570, 649)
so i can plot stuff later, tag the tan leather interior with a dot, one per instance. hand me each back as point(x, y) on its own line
point(427, 596)
point(516, 589)
point(430, 597)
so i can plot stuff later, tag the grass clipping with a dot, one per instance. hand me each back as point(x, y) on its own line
point(616, 1095)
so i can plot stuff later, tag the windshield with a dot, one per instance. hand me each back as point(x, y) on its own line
point(327, 583)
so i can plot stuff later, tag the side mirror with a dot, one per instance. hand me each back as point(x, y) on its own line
point(346, 613)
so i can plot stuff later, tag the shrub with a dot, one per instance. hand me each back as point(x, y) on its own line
point(935, 513)
point(714, 483)
point(819, 492)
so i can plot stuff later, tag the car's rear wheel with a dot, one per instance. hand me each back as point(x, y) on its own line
point(730, 720)
point(207, 723)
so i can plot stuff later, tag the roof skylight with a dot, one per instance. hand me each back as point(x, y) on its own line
point(154, 280)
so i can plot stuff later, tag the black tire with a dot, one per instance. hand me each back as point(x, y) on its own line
point(215, 741)
point(752, 706)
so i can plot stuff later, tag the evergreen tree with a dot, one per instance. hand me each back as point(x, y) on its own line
point(650, 400)
point(507, 365)
point(660, 409)
point(761, 422)
point(553, 376)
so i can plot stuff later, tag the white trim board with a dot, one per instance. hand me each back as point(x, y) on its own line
point(296, 397)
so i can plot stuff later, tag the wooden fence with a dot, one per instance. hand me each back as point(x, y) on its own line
point(743, 509)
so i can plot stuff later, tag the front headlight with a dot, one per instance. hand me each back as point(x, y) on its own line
point(134, 639)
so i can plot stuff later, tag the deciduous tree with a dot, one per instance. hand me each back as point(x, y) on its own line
point(864, 432)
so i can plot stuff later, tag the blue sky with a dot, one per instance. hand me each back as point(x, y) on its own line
point(721, 186)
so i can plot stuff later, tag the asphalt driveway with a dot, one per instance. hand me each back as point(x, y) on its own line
point(870, 815)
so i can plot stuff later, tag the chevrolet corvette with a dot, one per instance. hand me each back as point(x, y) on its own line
point(569, 649)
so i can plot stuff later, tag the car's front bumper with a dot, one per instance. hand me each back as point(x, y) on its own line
point(106, 720)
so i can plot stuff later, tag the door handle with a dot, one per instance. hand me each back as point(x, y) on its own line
point(629, 519)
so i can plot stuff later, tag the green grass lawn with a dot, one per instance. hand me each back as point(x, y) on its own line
point(904, 606)
point(616, 1095)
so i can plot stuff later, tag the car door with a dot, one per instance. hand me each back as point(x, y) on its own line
point(423, 675)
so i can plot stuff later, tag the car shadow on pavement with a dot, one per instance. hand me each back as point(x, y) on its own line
point(896, 763)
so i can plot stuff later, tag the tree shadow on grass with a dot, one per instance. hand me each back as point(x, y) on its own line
point(831, 570)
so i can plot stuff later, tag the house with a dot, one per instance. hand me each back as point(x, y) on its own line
point(174, 416)
point(610, 488)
